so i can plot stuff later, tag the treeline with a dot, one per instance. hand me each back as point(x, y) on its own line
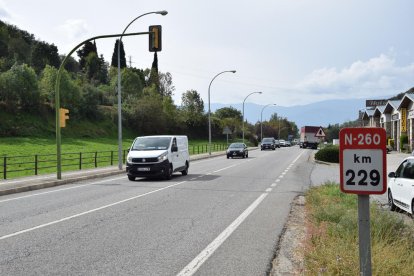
point(28, 70)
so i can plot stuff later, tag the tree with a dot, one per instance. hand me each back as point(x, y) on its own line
point(131, 84)
point(19, 88)
point(228, 112)
point(84, 52)
point(154, 77)
point(71, 64)
point(192, 105)
point(92, 66)
point(43, 54)
point(114, 61)
point(90, 100)
point(146, 114)
point(70, 92)
point(192, 108)
point(166, 86)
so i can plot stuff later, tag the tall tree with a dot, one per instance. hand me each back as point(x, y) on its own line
point(192, 106)
point(43, 54)
point(114, 61)
point(83, 53)
point(154, 77)
point(166, 85)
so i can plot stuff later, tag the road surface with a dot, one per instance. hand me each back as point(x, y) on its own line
point(224, 218)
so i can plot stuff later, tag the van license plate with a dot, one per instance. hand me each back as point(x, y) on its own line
point(143, 169)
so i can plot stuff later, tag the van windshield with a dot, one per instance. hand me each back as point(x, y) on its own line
point(151, 143)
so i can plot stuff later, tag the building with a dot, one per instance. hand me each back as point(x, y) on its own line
point(396, 116)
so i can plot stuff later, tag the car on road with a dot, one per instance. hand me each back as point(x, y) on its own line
point(287, 144)
point(401, 186)
point(268, 143)
point(237, 150)
point(282, 143)
point(158, 156)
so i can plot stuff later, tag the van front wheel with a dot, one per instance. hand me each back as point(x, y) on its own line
point(185, 172)
point(168, 173)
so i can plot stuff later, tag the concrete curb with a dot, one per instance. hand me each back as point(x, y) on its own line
point(57, 182)
point(27, 185)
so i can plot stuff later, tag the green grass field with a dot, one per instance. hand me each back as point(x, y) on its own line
point(30, 156)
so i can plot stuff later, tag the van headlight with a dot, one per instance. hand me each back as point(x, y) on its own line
point(129, 159)
point(163, 157)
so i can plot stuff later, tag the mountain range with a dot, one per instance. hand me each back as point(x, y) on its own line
point(315, 114)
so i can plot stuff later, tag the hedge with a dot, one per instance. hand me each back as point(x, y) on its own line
point(328, 154)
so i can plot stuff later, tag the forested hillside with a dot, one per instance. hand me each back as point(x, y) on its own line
point(28, 70)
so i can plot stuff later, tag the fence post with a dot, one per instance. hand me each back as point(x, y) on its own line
point(5, 167)
point(35, 164)
point(96, 157)
point(80, 160)
point(112, 157)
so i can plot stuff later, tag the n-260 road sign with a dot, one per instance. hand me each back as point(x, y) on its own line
point(362, 160)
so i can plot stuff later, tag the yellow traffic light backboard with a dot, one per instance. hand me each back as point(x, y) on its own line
point(155, 44)
point(63, 116)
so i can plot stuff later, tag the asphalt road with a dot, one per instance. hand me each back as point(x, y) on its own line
point(224, 218)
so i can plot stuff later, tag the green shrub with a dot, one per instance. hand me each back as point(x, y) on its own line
point(328, 154)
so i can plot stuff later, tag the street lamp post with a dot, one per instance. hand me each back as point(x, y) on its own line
point(119, 87)
point(261, 121)
point(243, 110)
point(278, 127)
point(209, 110)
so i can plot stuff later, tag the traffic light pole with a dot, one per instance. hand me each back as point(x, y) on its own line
point(57, 96)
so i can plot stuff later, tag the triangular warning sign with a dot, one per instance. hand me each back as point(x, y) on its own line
point(320, 133)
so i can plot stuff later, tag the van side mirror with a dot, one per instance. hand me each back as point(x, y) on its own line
point(174, 148)
point(391, 174)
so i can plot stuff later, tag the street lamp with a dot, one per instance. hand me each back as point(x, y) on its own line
point(119, 87)
point(209, 110)
point(261, 120)
point(243, 109)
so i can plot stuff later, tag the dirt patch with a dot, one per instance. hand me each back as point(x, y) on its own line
point(289, 258)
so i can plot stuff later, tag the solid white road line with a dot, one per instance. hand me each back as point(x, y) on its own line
point(87, 212)
point(198, 261)
point(195, 264)
point(63, 189)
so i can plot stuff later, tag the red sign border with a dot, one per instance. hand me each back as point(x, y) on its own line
point(382, 146)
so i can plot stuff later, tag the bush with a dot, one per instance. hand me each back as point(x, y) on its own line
point(328, 154)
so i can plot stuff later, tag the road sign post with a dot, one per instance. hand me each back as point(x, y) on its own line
point(227, 131)
point(362, 161)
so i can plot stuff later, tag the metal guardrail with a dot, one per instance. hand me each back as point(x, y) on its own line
point(23, 165)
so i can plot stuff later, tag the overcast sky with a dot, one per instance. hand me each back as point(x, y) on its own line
point(294, 51)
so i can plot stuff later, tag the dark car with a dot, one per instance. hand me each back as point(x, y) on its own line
point(268, 143)
point(237, 150)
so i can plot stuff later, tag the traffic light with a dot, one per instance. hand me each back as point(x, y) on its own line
point(63, 116)
point(155, 38)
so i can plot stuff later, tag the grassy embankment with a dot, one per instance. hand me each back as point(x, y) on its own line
point(23, 150)
point(332, 236)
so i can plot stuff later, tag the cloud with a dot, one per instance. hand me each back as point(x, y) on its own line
point(74, 28)
point(362, 79)
point(4, 13)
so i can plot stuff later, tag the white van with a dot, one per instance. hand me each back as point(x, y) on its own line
point(155, 156)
